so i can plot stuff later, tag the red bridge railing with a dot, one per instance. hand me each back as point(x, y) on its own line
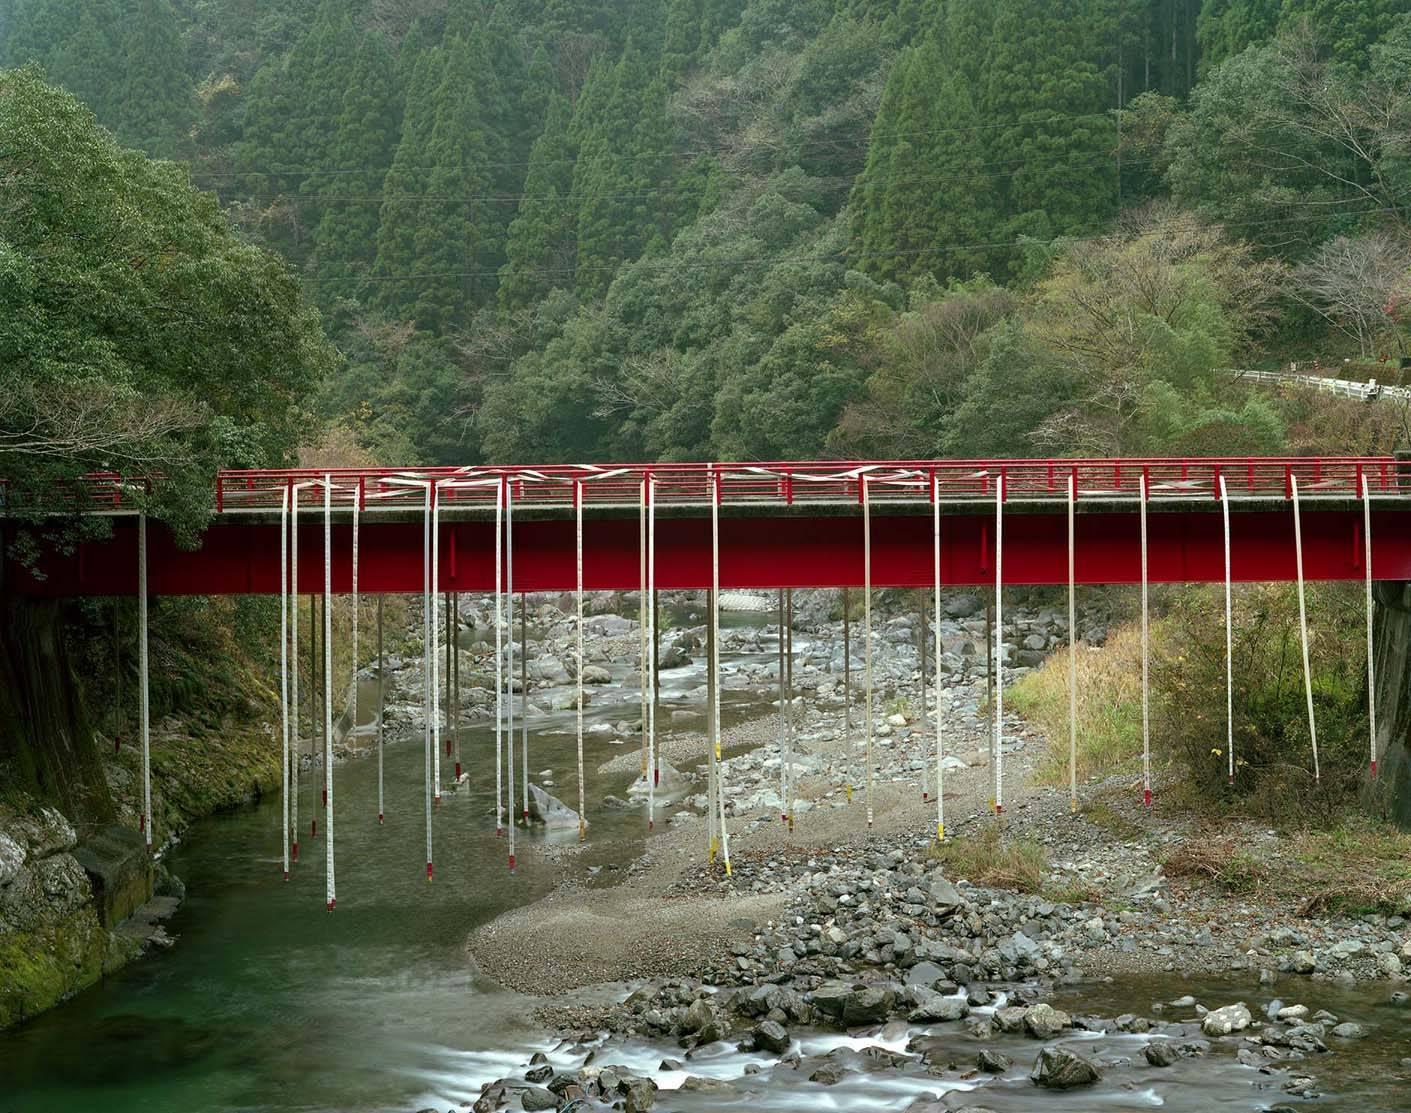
point(791, 482)
point(903, 481)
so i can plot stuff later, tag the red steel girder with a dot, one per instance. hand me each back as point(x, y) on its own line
point(766, 548)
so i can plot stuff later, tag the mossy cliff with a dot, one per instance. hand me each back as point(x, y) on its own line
point(72, 864)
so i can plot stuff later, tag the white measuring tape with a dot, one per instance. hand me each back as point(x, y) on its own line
point(1072, 643)
point(1229, 640)
point(1371, 657)
point(1303, 624)
point(284, 669)
point(936, 577)
point(1146, 655)
point(331, 888)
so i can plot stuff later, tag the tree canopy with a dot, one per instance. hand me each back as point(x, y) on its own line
point(138, 333)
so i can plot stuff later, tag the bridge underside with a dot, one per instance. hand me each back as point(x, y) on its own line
point(763, 547)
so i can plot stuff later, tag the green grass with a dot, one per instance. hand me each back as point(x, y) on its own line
point(993, 860)
point(1109, 707)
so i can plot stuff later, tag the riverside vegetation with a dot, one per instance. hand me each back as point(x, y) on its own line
point(446, 231)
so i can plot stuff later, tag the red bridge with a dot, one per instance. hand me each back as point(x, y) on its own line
point(780, 525)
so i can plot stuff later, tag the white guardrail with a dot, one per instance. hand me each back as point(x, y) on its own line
point(1343, 388)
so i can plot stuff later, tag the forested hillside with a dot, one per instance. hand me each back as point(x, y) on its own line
point(582, 229)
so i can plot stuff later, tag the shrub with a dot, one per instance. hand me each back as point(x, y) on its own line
point(1273, 748)
point(1109, 706)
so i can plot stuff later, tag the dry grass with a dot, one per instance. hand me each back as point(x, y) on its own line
point(1358, 868)
point(994, 861)
point(1109, 706)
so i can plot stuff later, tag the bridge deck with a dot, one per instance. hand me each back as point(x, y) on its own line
point(764, 544)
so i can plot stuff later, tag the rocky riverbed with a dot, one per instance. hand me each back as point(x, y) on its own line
point(832, 927)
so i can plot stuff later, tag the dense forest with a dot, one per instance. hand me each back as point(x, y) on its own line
point(683, 229)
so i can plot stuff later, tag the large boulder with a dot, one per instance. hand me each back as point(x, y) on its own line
point(1221, 1022)
point(1057, 1068)
point(938, 1009)
point(549, 811)
point(1044, 1022)
point(870, 1004)
point(772, 1036)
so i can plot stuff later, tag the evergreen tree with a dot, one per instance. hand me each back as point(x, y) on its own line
point(541, 246)
point(433, 239)
point(124, 58)
point(1226, 27)
point(1053, 147)
point(406, 185)
point(362, 147)
point(1346, 27)
point(681, 38)
point(292, 114)
point(156, 101)
point(624, 153)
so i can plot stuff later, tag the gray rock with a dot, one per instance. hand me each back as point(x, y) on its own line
point(698, 1015)
point(1044, 1022)
point(925, 973)
point(829, 1073)
point(596, 674)
point(772, 1036)
point(550, 811)
point(1057, 1068)
point(1231, 1018)
point(868, 1005)
point(938, 1008)
point(12, 859)
point(537, 1098)
point(944, 895)
point(1351, 1030)
point(1161, 1053)
point(830, 998)
point(994, 1062)
point(1019, 949)
point(640, 1094)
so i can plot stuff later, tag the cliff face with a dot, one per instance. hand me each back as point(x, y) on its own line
point(54, 940)
point(1392, 641)
point(73, 866)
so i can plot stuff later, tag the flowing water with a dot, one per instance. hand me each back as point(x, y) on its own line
point(267, 1002)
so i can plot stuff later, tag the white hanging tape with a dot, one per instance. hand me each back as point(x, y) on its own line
point(330, 884)
point(509, 669)
point(1303, 624)
point(998, 648)
point(867, 625)
point(499, 658)
point(715, 671)
point(433, 682)
point(1371, 655)
point(1229, 640)
point(294, 669)
point(1146, 654)
point(936, 619)
point(1072, 643)
point(582, 659)
point(427, 652)
point(652, 771)
point(643, 604)
point(145, 822)
point(284, 671)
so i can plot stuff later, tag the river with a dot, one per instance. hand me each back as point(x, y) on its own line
point(268, 1002)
